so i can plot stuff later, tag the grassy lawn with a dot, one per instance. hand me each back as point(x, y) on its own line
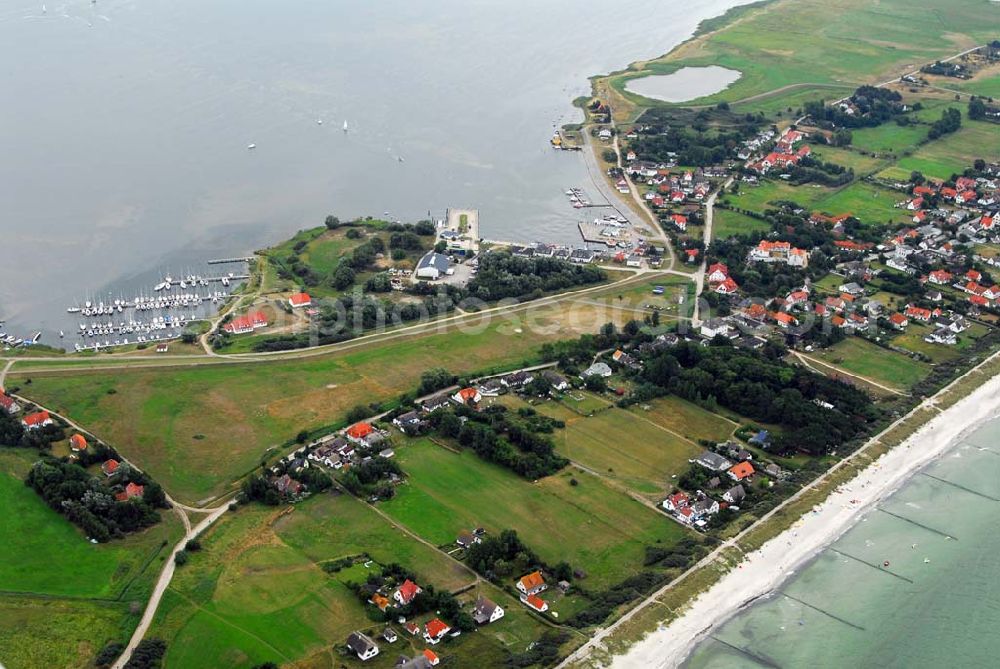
point(256, 592)
point(196, 429)
point(590, 525)
point(848, 42)
point(867, 203)
point(856, 160)
point(686, 419)
point(888, 137)
point(643, 461)
point(761, 198)
point(61, 597)
point(864, 358)
point(951, 154)
point(729, 223)
point(913, 340)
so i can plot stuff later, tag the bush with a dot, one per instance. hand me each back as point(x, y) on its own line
point(181, 558)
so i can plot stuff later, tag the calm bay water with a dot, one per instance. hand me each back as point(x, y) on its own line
point(943, 609)
point(125, 124)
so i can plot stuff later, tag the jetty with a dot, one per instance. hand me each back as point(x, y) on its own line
point(227, 261)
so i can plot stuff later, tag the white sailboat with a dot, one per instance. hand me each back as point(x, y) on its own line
point(345, 126)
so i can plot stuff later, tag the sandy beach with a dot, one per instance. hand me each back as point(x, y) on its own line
point(765, 569)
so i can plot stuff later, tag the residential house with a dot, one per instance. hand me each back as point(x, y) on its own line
point(380, 601)
point(8, 404)
point(556, 380)
point(109, 467)
point(77, 443)
point(358, 432)
point(597, 369)
point(717, 273)
point(535, 602)
point(434, 630)
point(431, 657)
point(389, 634)
point(36, 421)
point(466, 539)
point(942, 336)
point(405, 593)
point(899, 321)
point(246, 323)
point(491, 388)
point(714, 327)
point(918, 314)
point(779, 252)
point(735, 495)
point(467, 397)
point(362, 646)
point(299, 300)
point(940, 277)
point(486, 611)
point(432, 404)
point(517, 380)
point(712, 461)
point(286, 485)
point(409, 423)
point(727, 287)
point(741, 471)
point(676, 502)
point(133, 490)
point(531, 584)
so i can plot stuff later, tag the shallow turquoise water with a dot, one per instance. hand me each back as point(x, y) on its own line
point(845, 610)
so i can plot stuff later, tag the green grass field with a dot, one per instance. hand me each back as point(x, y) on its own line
point(848, 42)
point(61, 597)
point(867, 203)
point(590, 525)
point(728, 223)
point(256, 593)
point(856, 160)
point(951, 154)
point(761, 198)
point(888, 137)
point(888, 368)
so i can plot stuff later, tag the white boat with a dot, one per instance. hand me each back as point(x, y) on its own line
point(345, 126)
point(251, 147)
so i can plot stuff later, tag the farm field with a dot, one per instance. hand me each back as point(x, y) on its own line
point(62, 597)
point(841, 43)
point(888, 137)
point(761, 198)
point(889, 368)
point(590, 525)
point(256, 592)
point(860, 163)
point(867, 203)
point(617, 444)
point(729, 223)
point(686, 419)
point(197, 429)
point(951, 154)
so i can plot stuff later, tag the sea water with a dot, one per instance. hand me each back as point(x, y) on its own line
point(936, 604)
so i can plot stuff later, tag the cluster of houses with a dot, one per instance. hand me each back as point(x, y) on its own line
point(782, 156)
point(247, 323)
point(567, 253)
point(529, 588)
point(779, 252)
point(732, 469)
point(675, 188)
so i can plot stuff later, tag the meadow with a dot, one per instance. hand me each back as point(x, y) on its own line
point(256, 592)
point(729, 223)
point(61, 597)
point(951, 154)
point(588, 524)
point(886, 367)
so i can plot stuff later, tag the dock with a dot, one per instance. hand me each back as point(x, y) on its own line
point(227, 261)
point(594, 233)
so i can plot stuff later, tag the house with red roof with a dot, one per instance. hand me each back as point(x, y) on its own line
point(918, 314)
point(36, 420)
point(531, 584)
point(299, 300)
point(692, 254)
point(535, 602)
point(406, 592)
point(77, 443)
point(973, 275)
point(431, 656)
point(940, 277)
point(676, 501)
point(899, 321)
point(109, 467)
point(467, 397)
point(727, 287)
point(680, 221)
point(247, 323)
point(359, 431)
point(783, 319)
point(133, 490)
point(717, 273)
point(8, 404)
point(434, 630)
point(741, 471)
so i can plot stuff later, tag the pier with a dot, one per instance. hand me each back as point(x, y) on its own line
point(227, 261)
point(868, 564)
point(825, 613)
point(920, 525)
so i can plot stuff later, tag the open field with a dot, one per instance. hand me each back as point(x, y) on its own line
point(636, 452)
point(61, 597)
point(196, 429)
point(590, 525)
point(849, 42)
point(256, 592)
point(861, 164)
point(761, 198)
point(729, 223)
point(869, 204)
point(888, 137)
point(889, 368)
point(951, 154)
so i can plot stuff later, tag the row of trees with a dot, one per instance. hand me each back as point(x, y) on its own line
point(502, 275)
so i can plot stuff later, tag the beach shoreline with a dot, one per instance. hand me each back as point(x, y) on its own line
point(765, 569)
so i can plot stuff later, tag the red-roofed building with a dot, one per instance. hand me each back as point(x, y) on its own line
point(899, 321)
point(755, 311)
point(676, 501)
point(940, 277)
point(77, 443)
point(109, 467)
point(692, 254)
point(973, 275)
point(532, 583)
point(717, 273)
point(406, 592)
point(727, 287)
point(8, 404)
point(36, 421)
point(435, 630)
point(966, 196)
point(248, 323)
point(359, 431)
point(979, 300)
point(432, 658)
point(741, 471)
point(783, 319)
point(300, 300)
point(918, 314)
point(133, 490)
point(535, 602)
point(467, 397)
point(680, 221)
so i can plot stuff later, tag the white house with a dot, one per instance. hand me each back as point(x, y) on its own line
point(486, 611)
point(362, 646)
